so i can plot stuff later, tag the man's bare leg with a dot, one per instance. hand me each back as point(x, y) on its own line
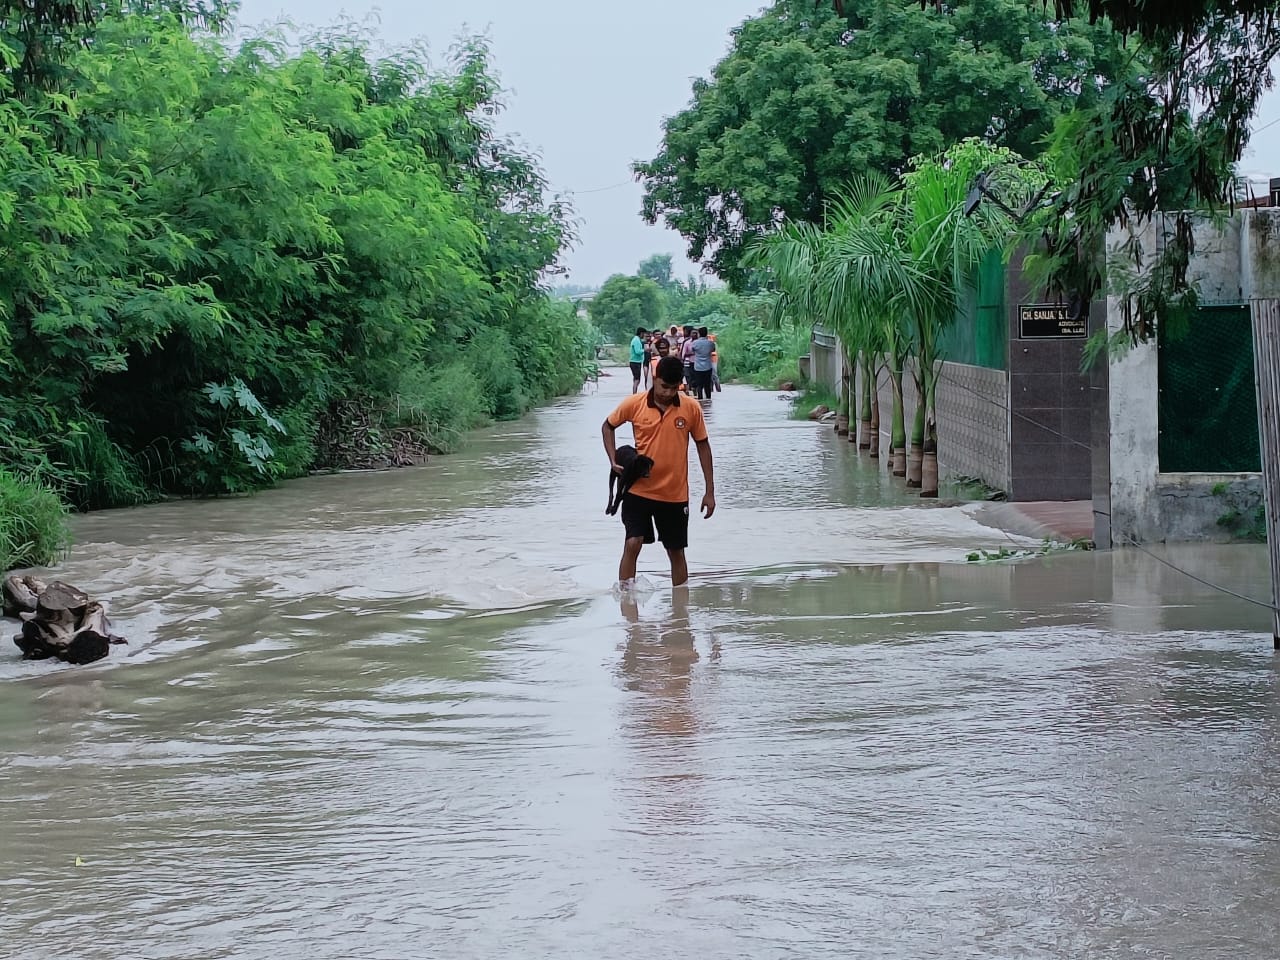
point(680, 603)
point(679, 568)
point(630, 555)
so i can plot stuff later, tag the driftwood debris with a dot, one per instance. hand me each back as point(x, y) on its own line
point(355, 437)
point(58, 620)
point(21, 594)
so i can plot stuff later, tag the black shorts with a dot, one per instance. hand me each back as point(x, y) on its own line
point(635, 371)
point(640, 515)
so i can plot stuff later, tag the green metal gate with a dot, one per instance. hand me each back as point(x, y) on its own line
point(980, 334)
point(1208, 403)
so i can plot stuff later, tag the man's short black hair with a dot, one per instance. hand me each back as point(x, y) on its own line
point(670, 370)
point(702, 331)
point(641, 331)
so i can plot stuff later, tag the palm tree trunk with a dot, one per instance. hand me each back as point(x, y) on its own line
point(898, 427)
point(864, 415)
point(842, 415)
point(915, 456)
point(929, 462)
point(855, 394)
point(875, 407)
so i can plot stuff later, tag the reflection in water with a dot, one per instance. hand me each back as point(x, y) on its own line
point(400, 715)
point(663, 672)
point(659, 721)
point(659, 659)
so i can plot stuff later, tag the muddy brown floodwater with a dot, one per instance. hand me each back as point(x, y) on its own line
point(402, 715)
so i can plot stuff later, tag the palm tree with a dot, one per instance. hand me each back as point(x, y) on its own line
point(791, 255)
point(867, 280)
point(947, 240)
point(859, 276)
point(887, 273)
point(896, 356)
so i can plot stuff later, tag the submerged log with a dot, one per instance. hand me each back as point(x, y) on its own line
point(92, 639)
point(59, 599)
point(33, 642)
point(21, 594)
point(66, 624)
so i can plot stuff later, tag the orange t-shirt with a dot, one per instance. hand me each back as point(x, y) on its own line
point(664, 438)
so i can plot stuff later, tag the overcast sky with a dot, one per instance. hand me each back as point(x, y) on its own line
point(588, 85)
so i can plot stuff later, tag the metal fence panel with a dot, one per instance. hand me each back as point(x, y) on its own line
point(1208, 402)
point(980, 334)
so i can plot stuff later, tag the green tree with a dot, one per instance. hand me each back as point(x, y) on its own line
point(1170, 18)
point(626, 303)
point(888, 270)
point(694, 309)
point(40, 34)
point(210, 255)
point(945, 245)
point(658, 269)
point(808, 97)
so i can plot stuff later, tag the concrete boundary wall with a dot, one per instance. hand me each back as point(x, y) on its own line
point(973, 421)
point(1148, 506)
point(973, 415)
point(1232, 264)
point(825, 360)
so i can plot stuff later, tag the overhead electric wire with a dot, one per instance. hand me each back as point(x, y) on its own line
point(615, 186)
point(1265, 126)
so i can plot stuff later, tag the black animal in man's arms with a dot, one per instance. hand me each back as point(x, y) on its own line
point(635, 465)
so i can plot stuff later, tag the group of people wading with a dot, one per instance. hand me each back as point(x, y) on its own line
point(695, 347)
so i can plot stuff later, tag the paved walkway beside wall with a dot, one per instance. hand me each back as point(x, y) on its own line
point(1057, 520)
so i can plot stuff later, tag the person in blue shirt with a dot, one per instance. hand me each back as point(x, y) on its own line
point(703, 349)
point(637, 358)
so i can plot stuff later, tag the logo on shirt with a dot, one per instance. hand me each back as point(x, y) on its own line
point(681, 423)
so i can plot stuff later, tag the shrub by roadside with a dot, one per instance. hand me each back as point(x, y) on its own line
point(751, 353)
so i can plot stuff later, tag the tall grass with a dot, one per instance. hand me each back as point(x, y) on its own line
point(444, 402)
point(33, 524)
point(99, 472)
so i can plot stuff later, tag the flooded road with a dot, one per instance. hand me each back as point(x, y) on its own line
point(401, 715)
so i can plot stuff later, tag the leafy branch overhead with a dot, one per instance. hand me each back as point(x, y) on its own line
point(808, 98)
point(1166, 17)
point(37, 31)
point(1141, 109)
point(1161, 145)
point(1147, 18)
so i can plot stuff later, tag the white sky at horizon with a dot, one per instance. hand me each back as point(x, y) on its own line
point(588, 85)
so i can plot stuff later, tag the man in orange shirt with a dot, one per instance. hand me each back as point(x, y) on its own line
point(663, 423)
point(662, 347)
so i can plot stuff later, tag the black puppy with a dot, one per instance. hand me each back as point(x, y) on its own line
point(634, 466)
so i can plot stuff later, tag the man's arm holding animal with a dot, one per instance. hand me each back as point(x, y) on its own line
point(708, 474)
point(609, 433)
